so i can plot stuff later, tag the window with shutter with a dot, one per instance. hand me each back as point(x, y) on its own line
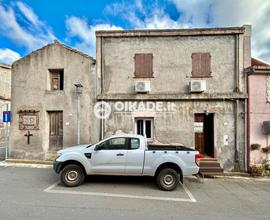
point(201, 65)
point(143, 65)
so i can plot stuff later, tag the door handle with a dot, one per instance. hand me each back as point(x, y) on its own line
point(120, 154)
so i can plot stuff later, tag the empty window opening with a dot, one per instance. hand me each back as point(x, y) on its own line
point(56, 79)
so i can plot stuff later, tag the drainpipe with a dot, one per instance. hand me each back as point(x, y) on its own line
point(236, 89)
point(248, 126)
point(236, 155)
point(101, 88)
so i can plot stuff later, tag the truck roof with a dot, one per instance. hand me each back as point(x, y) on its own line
point(126, 135)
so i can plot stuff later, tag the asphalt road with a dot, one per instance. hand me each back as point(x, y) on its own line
point(33, 193)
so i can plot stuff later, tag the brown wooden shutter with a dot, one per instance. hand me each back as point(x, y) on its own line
point(206, 64)
point(143, 65)
point(196, 64)
point(201, 65)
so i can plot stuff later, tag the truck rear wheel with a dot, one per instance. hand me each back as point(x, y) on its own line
point(72, 175)
point(167, 179)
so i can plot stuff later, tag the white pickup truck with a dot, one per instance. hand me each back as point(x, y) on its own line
point(127, 155)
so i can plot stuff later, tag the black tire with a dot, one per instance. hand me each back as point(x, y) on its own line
point(72, 175)
point(167, 179)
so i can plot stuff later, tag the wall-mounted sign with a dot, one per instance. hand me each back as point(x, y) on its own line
point(6, 116)
point(28, 120)
point(198, 127)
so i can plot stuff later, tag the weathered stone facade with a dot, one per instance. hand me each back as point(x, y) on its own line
point(221, 105)
point(224, 98)
point(5, 91)
point(35, 100)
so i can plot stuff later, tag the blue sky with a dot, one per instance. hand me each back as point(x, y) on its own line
point(27, 25)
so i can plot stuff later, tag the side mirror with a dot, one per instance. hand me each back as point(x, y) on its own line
point(97, 147)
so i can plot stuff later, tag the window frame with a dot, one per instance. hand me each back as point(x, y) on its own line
point(126, 143)
point(129, 147)
point(201, 74)
point(148, 75)
point(144, 119)
point(56, 73)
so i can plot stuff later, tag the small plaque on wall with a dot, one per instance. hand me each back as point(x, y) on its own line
point(28, 120)
point(198, 127)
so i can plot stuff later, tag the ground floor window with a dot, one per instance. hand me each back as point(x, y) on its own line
point(144, 126)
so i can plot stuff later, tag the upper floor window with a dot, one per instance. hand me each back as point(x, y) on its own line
point(143, 65)
point(201, 65)
point(56, 79)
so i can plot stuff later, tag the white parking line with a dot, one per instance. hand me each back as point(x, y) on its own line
point(51, 189)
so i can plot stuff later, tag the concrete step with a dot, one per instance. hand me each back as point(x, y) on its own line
point(208, 159)
point(211, 170)
point(211, 174)
point(209, 164)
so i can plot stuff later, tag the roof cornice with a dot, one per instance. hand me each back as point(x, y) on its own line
point(171, 32)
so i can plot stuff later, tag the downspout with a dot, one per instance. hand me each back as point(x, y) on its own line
point(236, 66)
point(248, 126)
point(101, 89)
point(236, 89)
point(236, 156)
point(246, 152)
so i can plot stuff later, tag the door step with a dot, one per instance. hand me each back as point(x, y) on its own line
point(210, 167)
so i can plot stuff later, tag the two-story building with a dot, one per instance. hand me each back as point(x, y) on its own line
point(258, 111)
point(178, 86)
point(50, 109)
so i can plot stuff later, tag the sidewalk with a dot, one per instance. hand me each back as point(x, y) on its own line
point(26, 163)
point(238, 176)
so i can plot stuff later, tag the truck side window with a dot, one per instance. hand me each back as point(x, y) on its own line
point(134, 143)
point(115, 144)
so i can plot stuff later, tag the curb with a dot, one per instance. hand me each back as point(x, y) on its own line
point(21, 161)
point(235, 177)
point(26, 163)
point(262, 179)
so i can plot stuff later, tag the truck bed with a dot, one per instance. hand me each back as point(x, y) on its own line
point(168, 147)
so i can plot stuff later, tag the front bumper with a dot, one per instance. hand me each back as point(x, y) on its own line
point(57, 165)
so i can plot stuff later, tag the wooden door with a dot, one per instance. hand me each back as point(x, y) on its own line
point(199, 135)
point(56, 130)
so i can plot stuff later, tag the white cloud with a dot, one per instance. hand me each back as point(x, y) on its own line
point(8, 56)
point(202, 13)
point(28, 13)
point(79, 28)
point(158, 19)
point(232, 13)
point(142, 16)
point(32, 34)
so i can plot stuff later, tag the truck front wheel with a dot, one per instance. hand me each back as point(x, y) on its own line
point(72, 175)
point(167, 179)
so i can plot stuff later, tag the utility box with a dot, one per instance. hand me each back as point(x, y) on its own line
point(266, 127)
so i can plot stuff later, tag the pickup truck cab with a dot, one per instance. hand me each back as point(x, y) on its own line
point(127, 155)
